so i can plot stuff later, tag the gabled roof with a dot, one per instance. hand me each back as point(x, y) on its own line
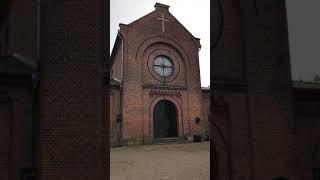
point(133, 22)
point(163, 6)
point(115, 48)
point(184, 27)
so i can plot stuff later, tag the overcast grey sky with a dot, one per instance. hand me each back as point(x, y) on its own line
point(304, 38)
point(303, 25)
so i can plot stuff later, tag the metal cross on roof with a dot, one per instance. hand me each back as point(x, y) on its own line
point(163, 20)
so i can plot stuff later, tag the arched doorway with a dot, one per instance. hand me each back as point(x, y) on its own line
point(165, 120)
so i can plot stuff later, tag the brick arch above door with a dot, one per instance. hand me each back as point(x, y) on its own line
point(180, 118)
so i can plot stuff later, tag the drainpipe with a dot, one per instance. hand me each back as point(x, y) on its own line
point(121, 93)
point(35, 92)
point(38, 31)
point(122, 51)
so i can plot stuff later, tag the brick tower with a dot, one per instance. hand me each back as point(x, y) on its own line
point(251, 81)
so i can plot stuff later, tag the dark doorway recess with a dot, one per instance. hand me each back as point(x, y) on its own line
point(165, 120)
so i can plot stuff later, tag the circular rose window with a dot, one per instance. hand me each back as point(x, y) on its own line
point(163, 66)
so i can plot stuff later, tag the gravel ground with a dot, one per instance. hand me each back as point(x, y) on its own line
point(161, 162)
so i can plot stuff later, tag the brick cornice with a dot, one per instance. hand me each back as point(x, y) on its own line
point(163, 87)
point(165, 92)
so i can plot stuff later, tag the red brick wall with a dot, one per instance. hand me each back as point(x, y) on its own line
point(307, 125)
point(114, 111)
point(4, 18)
point(22, 28)
point(5, 134)
point(228, 56)
point(16, 118)
point(18, 35)
point(270, 97)
point(2, 40)
point(72, 112)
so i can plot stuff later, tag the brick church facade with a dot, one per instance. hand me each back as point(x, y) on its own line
point(142, 87)
point(54, 103)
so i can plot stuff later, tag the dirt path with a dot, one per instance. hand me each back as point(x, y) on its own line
point(161, 162)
